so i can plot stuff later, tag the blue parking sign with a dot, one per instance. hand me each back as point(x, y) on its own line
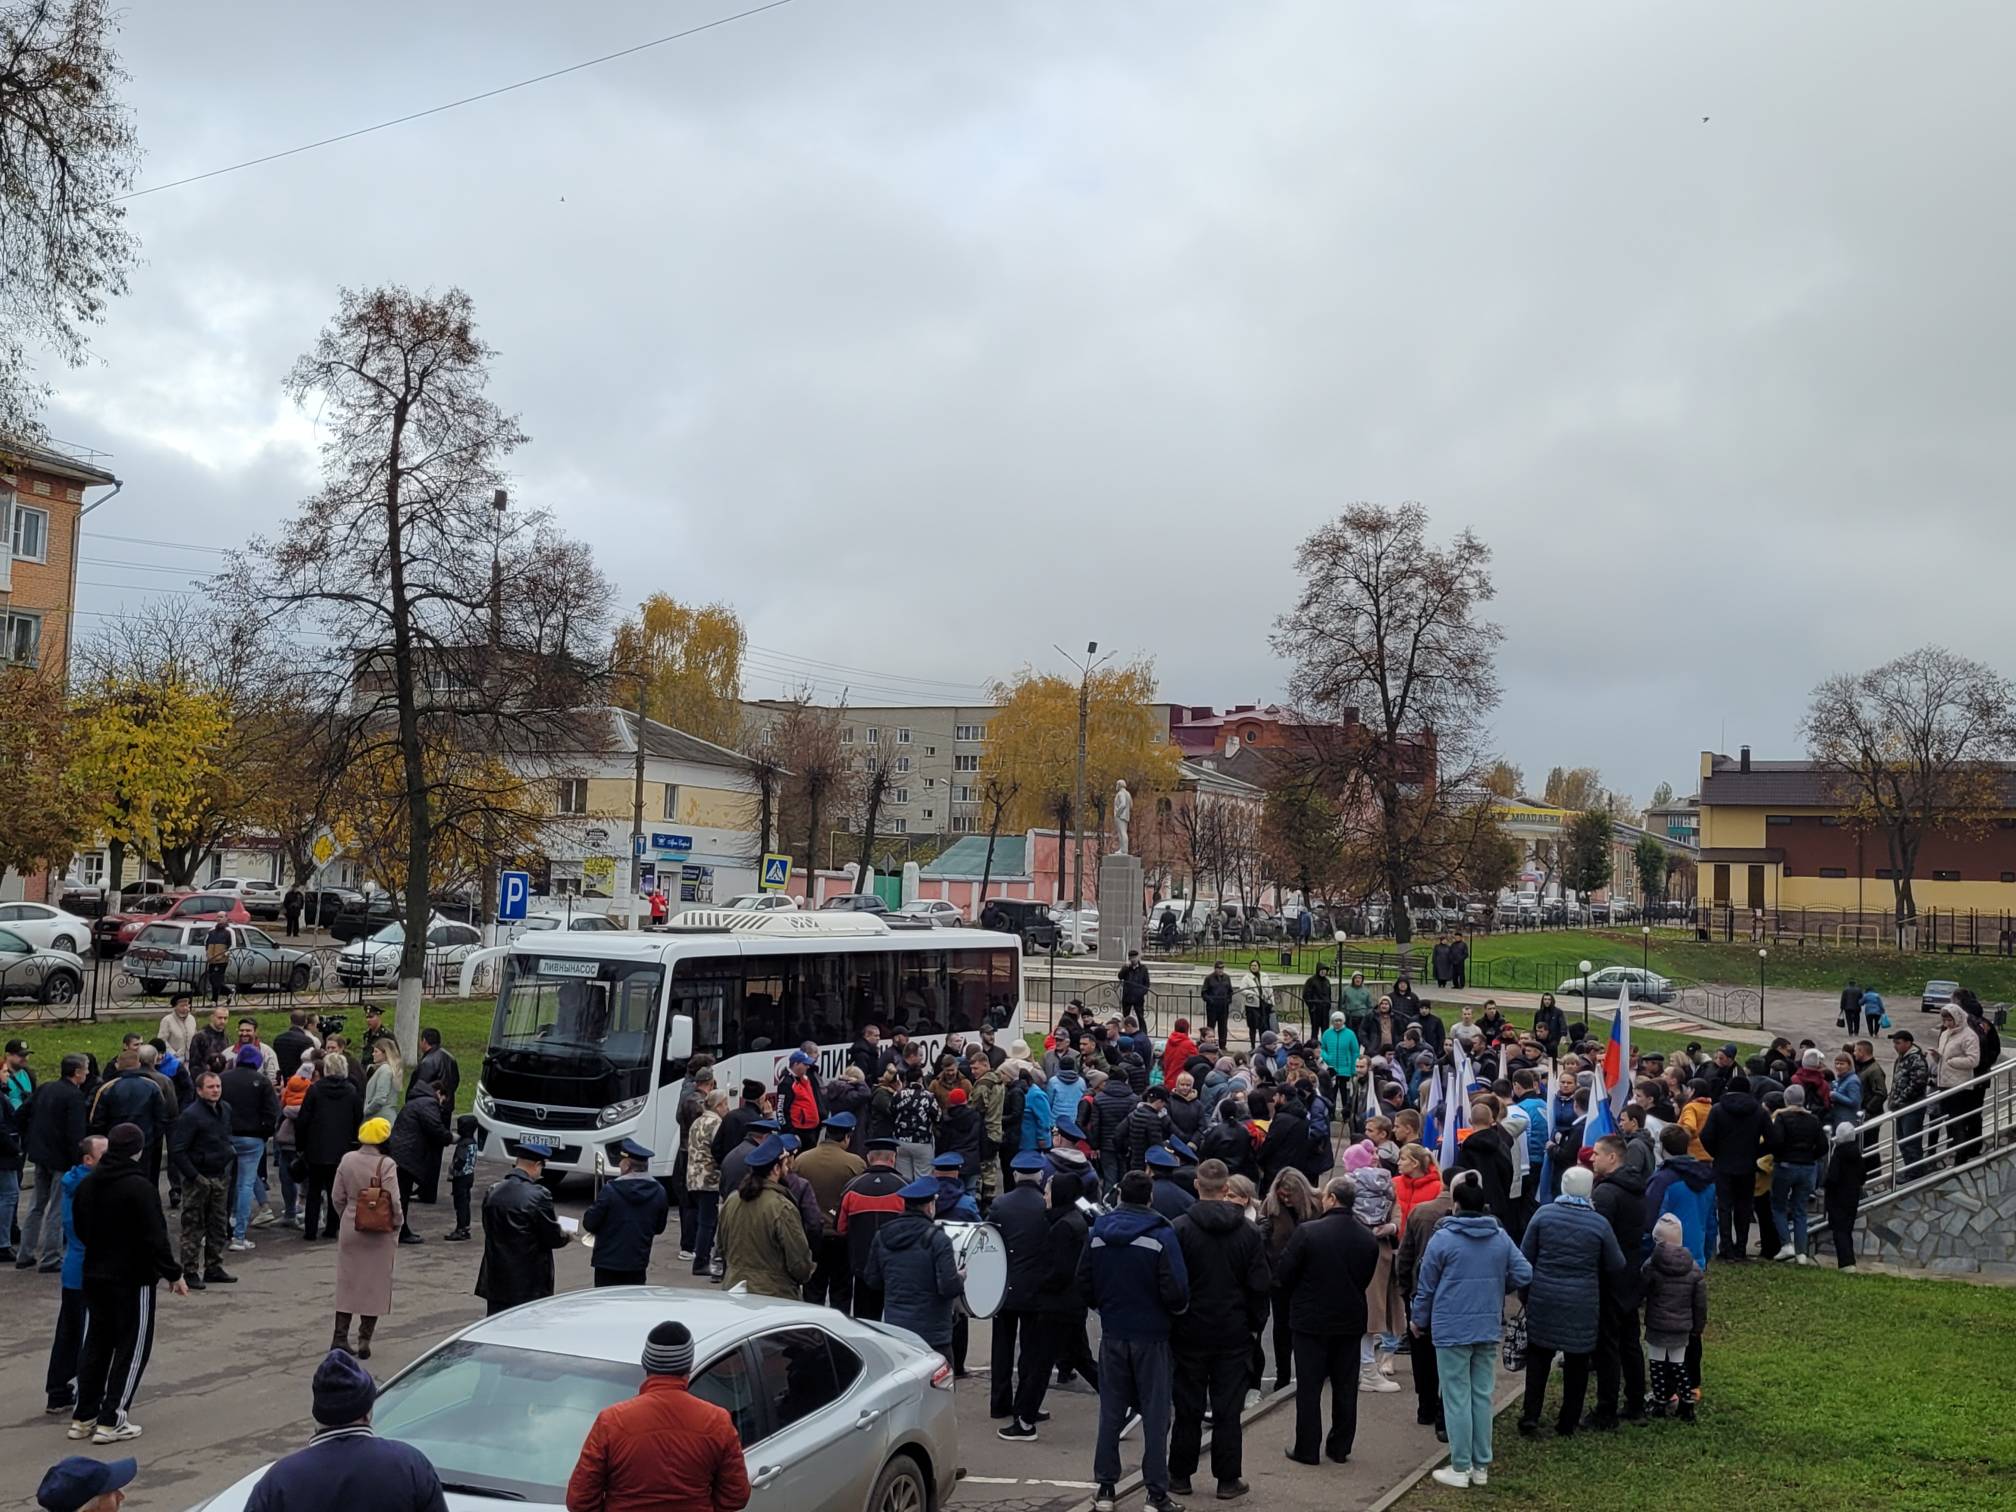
point(514, 892)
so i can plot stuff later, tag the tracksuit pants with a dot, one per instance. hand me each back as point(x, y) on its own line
point(1134, 1374)
point(1218, 1380)
point(117, 1341)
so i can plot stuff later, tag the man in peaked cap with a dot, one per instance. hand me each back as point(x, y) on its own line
point(520, 1233)
point(914, 1267)
point(626, 1215)
point(829, 1170)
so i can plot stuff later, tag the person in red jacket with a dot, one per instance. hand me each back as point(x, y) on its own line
point(664, 1450)
point(800, 1106)
point(1177, 1052)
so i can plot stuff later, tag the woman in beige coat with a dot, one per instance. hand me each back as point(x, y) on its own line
point(364, 1261)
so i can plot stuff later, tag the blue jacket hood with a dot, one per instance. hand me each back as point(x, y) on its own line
point(1125, 1224)
point(1697, 1174)
point(1470, 1225)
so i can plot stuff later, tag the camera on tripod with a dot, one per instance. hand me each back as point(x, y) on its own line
point(327, 1024)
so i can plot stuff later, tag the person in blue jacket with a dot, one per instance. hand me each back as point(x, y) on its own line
point(1036, 1121)
point(1167, 1197)
point(953, 1203)
point(1133, 1273)
point(62, 1379)
point(1574, 1254)
point(1684, 1187)
point(915, 1269)
point(626, 1215)
point(346, 1466)
point(1459, 1298)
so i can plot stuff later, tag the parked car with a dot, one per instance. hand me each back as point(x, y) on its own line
point(580, 923)
point(171, 954)
point(374, 961)
point(933, 911)
point(32, 971)
point(1083, 934)
point(1646, 986)
point(1937, 994)
point(111, 933)
point(321, 905)
point(1186, 921)
point(1024, 917)
point(1229, 921)
point(834, 1414)
point(854, 903)
point(768, 902)
point(364, 914)
point(44, 927)
point(262, 899)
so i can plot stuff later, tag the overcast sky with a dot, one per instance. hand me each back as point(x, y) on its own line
point(929, 334)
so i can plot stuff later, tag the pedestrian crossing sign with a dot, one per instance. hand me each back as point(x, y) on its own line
point(776, 873)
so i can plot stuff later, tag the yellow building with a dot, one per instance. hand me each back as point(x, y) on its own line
point(1772, 837)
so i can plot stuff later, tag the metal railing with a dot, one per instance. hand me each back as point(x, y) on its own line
point(1948, 1131)
point(1931, 931)
point(305, 977)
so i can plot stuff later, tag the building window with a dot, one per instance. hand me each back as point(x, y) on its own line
point(573, 795)
point(23, 645)
point(969, 732)
point(927, 814)
point(1777, 818)
point(1833, 871)
point(31, 534)
point(965, 763)
point(899, 795)
point(962, 794)
point(899, 826)
point(964, 824)
point(1945, 876)
point(847, 735)
point(671, 800)
point(874, 735)
point(1830, 821)
point(874, 764)
point(902, 735)
point(902, 763)
point(2009, 876)
point(930, 750)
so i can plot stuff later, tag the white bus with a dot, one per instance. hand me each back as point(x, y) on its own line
point(593, 1033)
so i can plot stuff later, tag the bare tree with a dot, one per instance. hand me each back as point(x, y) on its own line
point(68, 151)
point(873, 791)
point(998, 792)
point(1386, 639)
point(461, 670)
point(1915, 748)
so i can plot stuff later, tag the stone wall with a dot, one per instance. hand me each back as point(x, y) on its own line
point(1963, 1226)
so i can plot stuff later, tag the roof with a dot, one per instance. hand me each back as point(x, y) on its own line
point(666, 743)
point(967, 857)
point(612, 1324)
point(42, 459)
point(1793, 784)
point(1210, 773)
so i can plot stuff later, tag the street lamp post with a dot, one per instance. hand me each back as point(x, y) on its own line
point(1085, 670)
point(1761, 954)
point(1586, 969)
point(1645, 960)
point(1340, 959)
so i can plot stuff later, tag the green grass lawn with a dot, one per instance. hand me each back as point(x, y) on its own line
point(1821, 1392)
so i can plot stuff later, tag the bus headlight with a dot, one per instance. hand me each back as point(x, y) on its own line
point(617, 1112)
point(485, 1103)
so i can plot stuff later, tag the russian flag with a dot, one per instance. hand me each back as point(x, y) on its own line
point(1602, 1117)
point(1617, 1056)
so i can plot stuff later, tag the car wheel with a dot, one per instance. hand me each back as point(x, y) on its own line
point(62, 987)
point(900, 1488)
point(65, 943)
point(151, 986)
point(299, 978)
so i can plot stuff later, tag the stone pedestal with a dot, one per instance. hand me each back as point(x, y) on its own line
point(1122, 914)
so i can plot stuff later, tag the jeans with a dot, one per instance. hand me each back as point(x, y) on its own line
point(1910, 1142)
point(250, 1195)
point(1220, 1380)
point(10, 1201)
point(290, 1190)
point(1468, 1372)
point(1427, 1381)
point(42, 1233)
point(1326, 1360)
point(1791, 1187)
point(709, 1206)
point(1134, 1373)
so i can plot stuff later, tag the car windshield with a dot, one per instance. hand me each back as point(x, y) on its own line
point(391, 934)
point(567, 1008)
point(504, 1420)
point(159, 934)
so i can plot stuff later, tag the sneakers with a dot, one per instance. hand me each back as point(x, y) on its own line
point(456, 1236)
point(1454, 1479)
point(1846, 1270)
point(1480, 1476)
point(217, 1276)
point(194, 1283)
point(290, 1221)
point(684, 1254)
point(1784, 1254)
point(1103, 1500)
point(1252, 1400)
point(1129, 1423)
point(265, 1218)
point(81, 1429)
point(241, 1245)
point(123, 1432)
point(1016, 1429)
point(1805, 1260)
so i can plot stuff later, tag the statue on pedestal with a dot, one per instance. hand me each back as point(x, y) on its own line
point(1123, 810)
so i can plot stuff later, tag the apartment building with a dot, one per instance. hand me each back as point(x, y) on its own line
point(932, 754)
point(44, 496)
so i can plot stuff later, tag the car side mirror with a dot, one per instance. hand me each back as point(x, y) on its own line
point(679, 1038)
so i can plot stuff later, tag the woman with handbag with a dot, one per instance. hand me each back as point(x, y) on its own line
point(366, 1198)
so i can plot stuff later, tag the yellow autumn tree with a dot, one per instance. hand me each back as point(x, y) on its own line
point(145, 752)
point(690, 658)
point(1032, 746)
point(480, 809)
point(40, 823)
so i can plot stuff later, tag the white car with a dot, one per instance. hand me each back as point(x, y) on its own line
point(1085, 935)
point(46, 928)
point(761, 902)
point(936, 910)
point(48, 976)
point(834, 1414)
point(1607, 982)
point(374, 961)
point(580, 923)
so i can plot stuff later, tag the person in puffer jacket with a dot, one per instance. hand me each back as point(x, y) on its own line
point(1572, 1250)
point(1684, 1188)
point(1375, 1206)
point(626, 1215)
point(1111, 1107)
point(1676, 1314)
point(1146, 1127)
point(915, 1269)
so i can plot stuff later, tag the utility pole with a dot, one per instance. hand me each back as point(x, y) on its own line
point(1085, 671)
point(486, 901)
point(637, 805)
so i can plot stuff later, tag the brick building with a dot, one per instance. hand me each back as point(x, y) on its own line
point(44, 496)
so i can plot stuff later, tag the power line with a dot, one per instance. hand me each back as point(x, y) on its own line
point(170, 545)
point(487, 94)
point(899, 677)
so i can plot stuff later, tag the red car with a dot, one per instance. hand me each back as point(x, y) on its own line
point(112, 934)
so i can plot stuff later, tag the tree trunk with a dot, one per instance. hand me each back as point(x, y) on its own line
point(419, 813)
point(987, 866)
point(876, 788)
point(115, 869)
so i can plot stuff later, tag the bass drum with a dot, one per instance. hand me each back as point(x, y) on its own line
point(983, 1262)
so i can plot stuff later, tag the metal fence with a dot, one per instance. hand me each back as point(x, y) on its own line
point(308, 977)
point(1932, 931)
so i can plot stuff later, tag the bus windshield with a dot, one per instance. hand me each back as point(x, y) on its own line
point(603, 1014)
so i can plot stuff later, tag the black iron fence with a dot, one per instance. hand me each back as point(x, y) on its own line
point(307, 977)
point(1931, 931)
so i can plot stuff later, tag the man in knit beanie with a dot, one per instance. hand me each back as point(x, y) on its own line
point(664, 1447)
point(346, 1466)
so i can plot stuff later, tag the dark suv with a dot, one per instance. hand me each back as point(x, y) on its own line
point(1024, 917)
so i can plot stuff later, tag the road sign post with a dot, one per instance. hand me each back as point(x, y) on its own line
point(776, 874)
point(514, 895)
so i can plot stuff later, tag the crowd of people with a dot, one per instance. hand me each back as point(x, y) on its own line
point(1337, 1189)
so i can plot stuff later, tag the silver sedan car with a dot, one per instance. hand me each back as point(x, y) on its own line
point(835, 1414)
